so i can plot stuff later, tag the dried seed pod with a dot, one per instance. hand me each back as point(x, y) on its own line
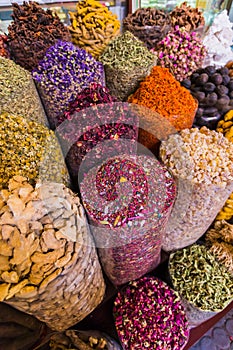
point(57, 269)
point(187, 17)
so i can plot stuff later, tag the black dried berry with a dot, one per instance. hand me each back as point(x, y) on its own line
point(216, 79)
point(209, 87)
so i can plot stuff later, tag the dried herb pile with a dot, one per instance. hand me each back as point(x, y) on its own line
point(162, 93)
point(126, 62)
point(4, 46)
point(18, 94)
point(200, 279)
point(213, 88)
point(181, 52)
point(101, 128)
point(65, 71)
point(49, 266)
point(149, 315)
point(128, 200)
point(150, 25)
point(220, 240)
point(93, 26)
point(187, 17)
point(201, 161)
point(32, 31)
point(29, 149)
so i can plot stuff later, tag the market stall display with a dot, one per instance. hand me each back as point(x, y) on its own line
point(201, 162)
point(205, 286)
point(29, 149)
point(93, 26)
point(162, 93)
point(32, 31)
point(110, 129)
point(128, 200)
point(49, 266)
point(212, 87)
point(18, 94)
point(181, 52)
point(149, 315)
point(219, 239)
point(126, 62)
point(64, 71)
point(149, 25)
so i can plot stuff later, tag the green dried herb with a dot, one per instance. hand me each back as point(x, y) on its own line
point(127, 62)
point(200, 279)
point(29, 149)
point(18, 94)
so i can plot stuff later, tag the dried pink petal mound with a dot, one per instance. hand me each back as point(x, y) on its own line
point(149, 315)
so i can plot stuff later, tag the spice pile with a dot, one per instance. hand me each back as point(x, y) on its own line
point(32, 31)
point(181, 52)
point(162, 93)
point(93, 26)
point(201, 162)
point(128, 201)
point(201, 281)
point(213, 88)
point(149, 315)
point(220, 240)
point(65, 71)
point(18, 94)
point(126, 62)
point(4, 46)
point(49, 267)
point(187, 17)
point(150, 25)
point(32, 151)
point(110, 129)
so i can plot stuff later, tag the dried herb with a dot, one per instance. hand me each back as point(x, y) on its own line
point(126, 62)
point(65, 71)
point(149, 315)
point(29, 149)
point(128, 200)
point(4, 46)
point(182, 53)
point(18, 94)
point(162, 93)
point(104, 130)
point(32, 31)
point(149, 25)
point(93, 26)
point(200, 279)
point(187, 17)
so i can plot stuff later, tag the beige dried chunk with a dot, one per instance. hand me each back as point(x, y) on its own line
point(10, 277)
point(2, 203)
point(7, 219)
point(16, 205)
point(4, 287)
point(15, 289)
point(23, 226)
point(4, 263)
point(35, 226)
point(5, 249)
point(27, 292)
point(48, 258)
point(15, 238)
point(6, 231)
point(64, 260)
point(50, 240)
point(24, 267)
point(4, 194)
point(25, 191)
